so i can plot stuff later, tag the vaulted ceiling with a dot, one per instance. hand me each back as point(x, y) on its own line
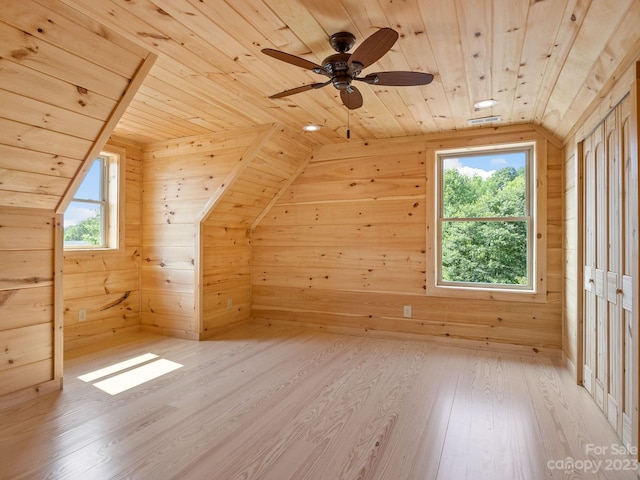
point(544, 61)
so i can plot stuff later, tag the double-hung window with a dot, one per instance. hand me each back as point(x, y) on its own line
point(91, 219)
point(485, 219)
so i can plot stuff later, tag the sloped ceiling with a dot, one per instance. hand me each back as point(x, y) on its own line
point(64, 83)
point(66, 66)
point(544, 61)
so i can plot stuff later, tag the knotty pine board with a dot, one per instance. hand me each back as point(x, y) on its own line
point(564, 115)
point(26, 298)
point(59, 93)
point(26, 345)
point(26, 306)
point(56, 62)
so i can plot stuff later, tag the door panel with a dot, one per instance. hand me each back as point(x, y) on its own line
point(607, 243)
point(629, 209)
point(589, 307)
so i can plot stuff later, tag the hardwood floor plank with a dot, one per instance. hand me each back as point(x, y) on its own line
point(313, 393)
point(432, 403)
point(266, 402)
point(238, 399)
point(171, 413)
point(358, 416)
point(584, 438)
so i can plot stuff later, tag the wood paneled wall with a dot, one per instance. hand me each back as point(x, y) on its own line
point(201, 197)
point(179, 178)
point(27, 299)
point(344, 248)
point(183, 181)
point(106, 283)
point(225, 236)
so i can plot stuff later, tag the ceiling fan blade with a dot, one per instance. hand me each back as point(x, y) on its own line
point(374, 47)
point(397, 79)
point(303, 88)
point(351, 100)
point(293, 60)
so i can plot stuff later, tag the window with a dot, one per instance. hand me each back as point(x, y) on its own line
point(91, 219)
point(485, 221)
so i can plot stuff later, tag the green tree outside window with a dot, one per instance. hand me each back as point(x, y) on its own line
point(485, 221)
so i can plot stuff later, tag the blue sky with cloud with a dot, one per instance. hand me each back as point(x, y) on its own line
point(485, 165)
point(89, 190)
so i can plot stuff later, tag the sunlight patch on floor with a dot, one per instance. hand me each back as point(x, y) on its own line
point(137, 376)
point(122, 375)
point(117, 367)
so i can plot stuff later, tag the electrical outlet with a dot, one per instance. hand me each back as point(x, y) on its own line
point(82, 315)
point(407, 311)
point(229, 303)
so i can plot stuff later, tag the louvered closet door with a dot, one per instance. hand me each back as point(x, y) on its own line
point(607, 268)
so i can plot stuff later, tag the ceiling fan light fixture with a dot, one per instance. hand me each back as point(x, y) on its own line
point(485, 104)
point(343, 68)
point(311, 127)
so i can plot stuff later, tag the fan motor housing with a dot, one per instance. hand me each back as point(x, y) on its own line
point(341, 82)
point(336, 64)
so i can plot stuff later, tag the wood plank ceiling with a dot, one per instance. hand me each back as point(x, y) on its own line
point(544, 61)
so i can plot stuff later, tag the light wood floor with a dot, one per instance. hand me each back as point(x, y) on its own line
point(276, 403)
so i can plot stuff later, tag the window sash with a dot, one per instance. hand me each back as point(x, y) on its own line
point(485, 219)
point(528, 219)
point(103, 203)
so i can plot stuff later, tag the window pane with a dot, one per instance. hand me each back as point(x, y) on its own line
point(485, 252)
point(485, 185)
point(82, 224)
point(91, 186)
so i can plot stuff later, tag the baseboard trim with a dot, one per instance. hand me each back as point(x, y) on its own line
point(30, 393)
point(215, 331)
point(449, 341)
point(170, 332)
point(72, 344)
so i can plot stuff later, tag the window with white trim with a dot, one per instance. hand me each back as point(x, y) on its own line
point(485, 219)
point(91, 219)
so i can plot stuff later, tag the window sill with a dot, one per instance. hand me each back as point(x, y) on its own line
point(478, 293)
point(80, 252)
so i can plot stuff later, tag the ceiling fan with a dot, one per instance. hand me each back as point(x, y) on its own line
point(343, 68)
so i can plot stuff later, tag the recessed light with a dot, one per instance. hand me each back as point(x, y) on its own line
point(311, 128)
point(485, 104)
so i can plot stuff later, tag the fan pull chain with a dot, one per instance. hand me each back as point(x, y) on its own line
point(348, 130)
